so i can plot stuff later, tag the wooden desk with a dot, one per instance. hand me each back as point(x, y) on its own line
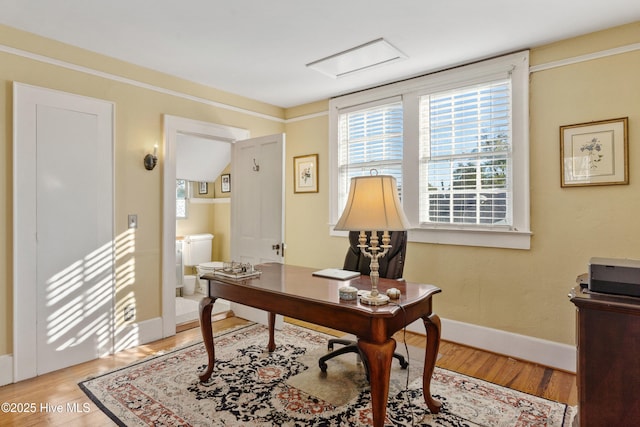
point(292, 291)
point(608, 344)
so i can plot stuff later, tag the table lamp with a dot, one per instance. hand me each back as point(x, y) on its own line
point(373, 205)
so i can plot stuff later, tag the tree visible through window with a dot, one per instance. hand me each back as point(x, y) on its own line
point(465, 166)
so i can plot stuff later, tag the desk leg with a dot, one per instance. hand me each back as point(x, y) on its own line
point(432, 325)
point(379, 358)
point(272, 326)
point(206, 305)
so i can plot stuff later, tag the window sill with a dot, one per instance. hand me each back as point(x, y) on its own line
point(507, 239)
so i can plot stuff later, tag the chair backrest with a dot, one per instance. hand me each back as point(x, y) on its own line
point(391, 265)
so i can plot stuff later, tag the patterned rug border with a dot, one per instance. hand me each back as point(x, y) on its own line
point(156, 355)
point(569, 411)
point(161, 353)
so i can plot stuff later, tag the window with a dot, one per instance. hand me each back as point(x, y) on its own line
point(457, 143)
point(182, 198)
point(370, 139)
point(465, 155)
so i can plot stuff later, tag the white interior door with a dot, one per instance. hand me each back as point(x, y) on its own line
point(64, 255)
point(257, 206)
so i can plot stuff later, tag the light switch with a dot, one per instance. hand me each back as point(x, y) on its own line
point(133, 221)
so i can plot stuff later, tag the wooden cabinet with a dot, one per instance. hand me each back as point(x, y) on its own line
point(608, 346)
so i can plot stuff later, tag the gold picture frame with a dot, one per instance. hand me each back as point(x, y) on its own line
point(594, 153)
point(305, 174)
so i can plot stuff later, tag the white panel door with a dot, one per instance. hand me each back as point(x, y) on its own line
point(257, 207)
point(68, 240)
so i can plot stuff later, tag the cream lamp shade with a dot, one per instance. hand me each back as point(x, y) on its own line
point(373, 204)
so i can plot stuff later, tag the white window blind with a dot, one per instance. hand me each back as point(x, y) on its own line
point(457, 141)
point(465, 156)
point(369, 139)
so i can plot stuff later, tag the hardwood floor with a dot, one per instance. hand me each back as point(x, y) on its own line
point(516, 374)
point(48, 391)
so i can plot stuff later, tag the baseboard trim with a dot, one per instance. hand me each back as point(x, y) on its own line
point(138, 333)
point(6, 369)
point(131, 335)
point(543, 352)
point(255, 315)
point(536, 350)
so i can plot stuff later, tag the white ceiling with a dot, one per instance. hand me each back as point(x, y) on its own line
point(259, 48)
point(201, 159)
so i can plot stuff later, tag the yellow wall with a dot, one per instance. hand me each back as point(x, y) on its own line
point(139, 113)
point(524, 292)
point(220, 221)
point(210, 213)
point(518, 291)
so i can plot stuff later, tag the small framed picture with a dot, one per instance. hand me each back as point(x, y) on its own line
point(203, 188)
point(594, 153)
point(305, 174)
point(225, 183)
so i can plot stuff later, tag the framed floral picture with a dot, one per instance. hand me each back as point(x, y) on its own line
point(594, 153)
point(305, 174)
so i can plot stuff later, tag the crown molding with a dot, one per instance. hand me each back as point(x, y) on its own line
point(132, 82)
point(585, 58)
point(113, 77)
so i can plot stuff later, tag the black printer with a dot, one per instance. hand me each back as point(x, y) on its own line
point(614, 276)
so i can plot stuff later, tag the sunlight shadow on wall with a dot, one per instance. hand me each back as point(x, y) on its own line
point(126, 328)
point(88, 317)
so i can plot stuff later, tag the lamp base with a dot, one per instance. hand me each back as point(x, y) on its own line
point(367, 298)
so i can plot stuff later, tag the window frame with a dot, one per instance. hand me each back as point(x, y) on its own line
point(518, 236)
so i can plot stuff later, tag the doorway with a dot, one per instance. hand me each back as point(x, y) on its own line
point(266, 186)
point(174, 129)
point(203, 213)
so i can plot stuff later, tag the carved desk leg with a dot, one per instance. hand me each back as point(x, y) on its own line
point(272, 325)
point(379, 358)
point(206, 305)
point(432, 326)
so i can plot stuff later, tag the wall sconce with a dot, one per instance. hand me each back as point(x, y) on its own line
point(151, 160)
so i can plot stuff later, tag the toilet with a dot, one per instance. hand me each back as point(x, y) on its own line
point(189, 285)
point(196, 252)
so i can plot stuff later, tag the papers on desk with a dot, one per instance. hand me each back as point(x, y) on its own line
point(335, 273)
point(236, 274)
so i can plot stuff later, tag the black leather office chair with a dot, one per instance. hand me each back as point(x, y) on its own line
point(391, 267)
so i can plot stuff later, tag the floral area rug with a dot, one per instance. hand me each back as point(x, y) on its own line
point(251, 387)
